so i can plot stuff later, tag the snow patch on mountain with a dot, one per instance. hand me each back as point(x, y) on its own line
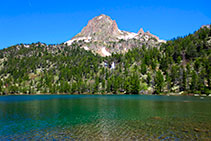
point(162, 41)
point(85, 39)
point(86, 48)
point(100, 17)
point(127, 35)
point(105, 52)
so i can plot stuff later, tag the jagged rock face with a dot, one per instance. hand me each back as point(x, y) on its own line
point(102, 36)
point(141, 31)
point(100, 28)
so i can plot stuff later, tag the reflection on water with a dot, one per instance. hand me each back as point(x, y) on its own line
point(105, 118)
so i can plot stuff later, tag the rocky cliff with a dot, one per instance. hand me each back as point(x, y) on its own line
point(102, 36)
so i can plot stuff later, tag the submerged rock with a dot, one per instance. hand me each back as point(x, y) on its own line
point(157, 118)
point(186, 101)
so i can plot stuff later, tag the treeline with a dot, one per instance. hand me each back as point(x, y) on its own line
point(182, 65)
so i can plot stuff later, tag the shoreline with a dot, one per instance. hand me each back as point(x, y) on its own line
point(107, 94)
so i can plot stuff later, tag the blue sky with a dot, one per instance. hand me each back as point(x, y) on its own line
point(55, 21)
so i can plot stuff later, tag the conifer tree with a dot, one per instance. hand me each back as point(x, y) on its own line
point(159, 82)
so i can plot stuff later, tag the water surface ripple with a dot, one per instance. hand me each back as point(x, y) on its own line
point(90, 117)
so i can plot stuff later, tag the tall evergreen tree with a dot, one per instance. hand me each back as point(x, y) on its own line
point(159, 82)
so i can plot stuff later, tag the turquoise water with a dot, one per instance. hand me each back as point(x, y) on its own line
point(89, 117)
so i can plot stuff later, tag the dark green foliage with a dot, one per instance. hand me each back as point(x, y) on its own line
point(143, 68)
point(159, 82)
point(183, 86)
point(194, 81)
point(182, 64)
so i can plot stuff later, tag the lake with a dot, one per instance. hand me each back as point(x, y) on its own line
point(97, 117)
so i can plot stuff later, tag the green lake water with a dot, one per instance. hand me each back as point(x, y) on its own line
point(89, 117)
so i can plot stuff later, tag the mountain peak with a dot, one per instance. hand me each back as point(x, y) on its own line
point(102, 35)
point(141, 31)
point(101, 27)
point(102, 16)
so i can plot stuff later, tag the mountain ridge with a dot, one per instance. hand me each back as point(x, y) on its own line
point(105, 30)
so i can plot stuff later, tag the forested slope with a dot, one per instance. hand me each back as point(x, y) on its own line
point(182, 65)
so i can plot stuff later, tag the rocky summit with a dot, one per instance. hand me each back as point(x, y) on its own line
point(102, 36)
